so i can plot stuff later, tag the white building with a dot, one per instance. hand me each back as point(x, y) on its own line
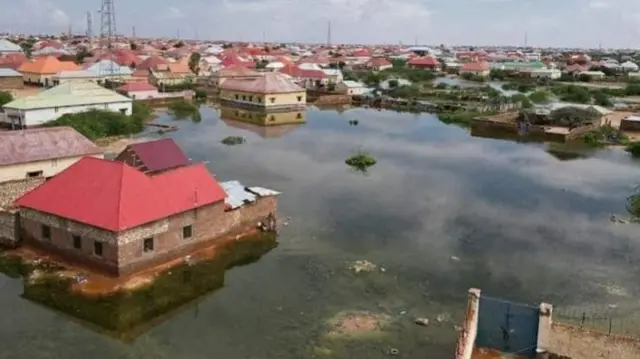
point(552, 74)
point(352, 88)
point(71, 97)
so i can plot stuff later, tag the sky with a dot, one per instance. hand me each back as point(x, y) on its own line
point(579, 23)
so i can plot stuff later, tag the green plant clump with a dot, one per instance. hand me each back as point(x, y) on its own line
point(462, 118)
point(95, 124)
point(361, 161)
point(182, 109)
point(233, 140)
point(634, 149)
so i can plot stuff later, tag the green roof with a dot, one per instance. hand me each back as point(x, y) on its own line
point(68, 94)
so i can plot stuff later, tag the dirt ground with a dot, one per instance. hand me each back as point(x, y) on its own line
point(482, 353)
point(117, 144)
point(357, 323)
point(579, 343)
point(611, 85)
point(97, 283)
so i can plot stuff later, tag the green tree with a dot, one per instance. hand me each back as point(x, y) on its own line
point(262, 64)
point(540, 96)
point(5, 98)
point(133, 46)
point(393, 83)
point(179, 44)
point(399, 63)
point(574, 116)
point(194, 62)
point(600, 98)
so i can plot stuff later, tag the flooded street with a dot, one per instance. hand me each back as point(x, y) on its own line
point(440, 212)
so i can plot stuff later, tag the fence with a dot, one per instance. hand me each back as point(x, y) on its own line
point(606, 319)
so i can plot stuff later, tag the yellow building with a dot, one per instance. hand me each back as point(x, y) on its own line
point(271, 91)
point(262, 123)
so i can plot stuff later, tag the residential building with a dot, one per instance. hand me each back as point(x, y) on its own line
point(42, 70)
point(307, 78)
point(138, 90)
point(352, 88)
point(272, 90)
point(594, 75)
point(8, 47)
point(176, 74)
point(232, 72)
point(545, 73)
point(110, 216)
point(42, 152)
point(425, 62)
point(10, 79)
point(476, 68)
point(99, 72)
point(70, 97)
point(154, 156)
point(378, 64)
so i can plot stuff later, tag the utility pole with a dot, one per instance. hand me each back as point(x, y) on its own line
point(89, 26)
point(178, 34)
point(329, 33)
point(133, 31)
point(526, 39)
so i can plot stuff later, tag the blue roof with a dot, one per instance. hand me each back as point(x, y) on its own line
point(8, 46)
point(9, 73)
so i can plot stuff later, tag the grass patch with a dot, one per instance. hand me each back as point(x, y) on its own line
point(233, 140)
point(461, 118)
point(183, 109)
point(361, 161)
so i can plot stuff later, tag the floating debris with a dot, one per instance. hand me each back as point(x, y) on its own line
point(357, 323)
point(233, 140)
point(394, 351)
point(421, 321)
point(361, 161)
point(363, 266)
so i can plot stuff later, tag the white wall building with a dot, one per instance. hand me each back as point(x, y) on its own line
point(71, 97)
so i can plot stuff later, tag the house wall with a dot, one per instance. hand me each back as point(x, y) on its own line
point(49, 168)
point(265, 100)
point(143, 94)
point(11, 83)
point(37, 117)
point(8, 235)
point(123, 252)
point(131, 158)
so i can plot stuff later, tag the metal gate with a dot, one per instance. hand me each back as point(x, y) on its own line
point(507, 327)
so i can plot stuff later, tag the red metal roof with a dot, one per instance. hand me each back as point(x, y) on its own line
point(295, 71)
point(160, 155)
point(151, 63)
point(424, 61)
point(114, 196)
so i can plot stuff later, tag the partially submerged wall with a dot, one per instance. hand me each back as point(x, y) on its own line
point(467, 338)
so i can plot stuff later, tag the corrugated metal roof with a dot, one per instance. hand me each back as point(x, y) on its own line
point(270, 83)
point(109, 68)
point(7, 72)
point(160, 155)
point(263, 192)
point(237, 195)
point(68, 94)
point(8, 46)
point(43, 144)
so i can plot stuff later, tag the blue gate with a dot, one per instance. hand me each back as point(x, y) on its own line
point(507, 327)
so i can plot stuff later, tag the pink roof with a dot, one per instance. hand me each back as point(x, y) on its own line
point(475, 66)
point(114, 196)
point(272, 82)
point(425, 61)
point(136, 86)
point(295, 71)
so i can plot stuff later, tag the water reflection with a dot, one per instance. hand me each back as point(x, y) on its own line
point(264, 124)
point(125, 315)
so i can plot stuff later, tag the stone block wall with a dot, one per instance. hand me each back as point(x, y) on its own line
point(12, 190)
point(8, 235)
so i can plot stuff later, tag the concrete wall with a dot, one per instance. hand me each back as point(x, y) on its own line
point(262, 118)
point(49, 168)
point(626, 125)
point(124, 253)
point(467, 338)
point(333, 100)
point(11, 83)
point(266, 101)
point(37, 117)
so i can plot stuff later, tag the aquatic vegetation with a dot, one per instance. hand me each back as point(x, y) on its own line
point(361, 161)
point(463, 118)
point(182, 109)
point(233, 140)
point(634, 149)
point(354, 122)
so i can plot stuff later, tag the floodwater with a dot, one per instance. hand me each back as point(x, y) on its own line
point(441, 212)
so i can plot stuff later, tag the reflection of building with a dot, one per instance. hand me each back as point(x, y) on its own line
point(271, 91)
point(265, 124)
point(126, 314)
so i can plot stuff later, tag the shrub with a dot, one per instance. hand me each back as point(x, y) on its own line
point(96, 124)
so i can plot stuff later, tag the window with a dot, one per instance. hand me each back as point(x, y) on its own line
point(237, 97)
point(123, 111)
point(272, 99)
point(299, 98)
point(250, 98)
point(259, 99)
point(54, 162)
point(34, 174)
point(55, 109)
point(187, 232)
point(77, 241)
point(299, 116)
point(147, 246)
point(97, 248)
point(244, 98)
point(46, 232)
point(272, 118)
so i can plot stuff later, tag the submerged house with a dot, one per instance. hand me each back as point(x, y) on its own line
point(154, 156)
point(111, 216)
point(271, 91)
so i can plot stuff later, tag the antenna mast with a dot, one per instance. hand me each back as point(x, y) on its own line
point(89, 26)
point(108, 30)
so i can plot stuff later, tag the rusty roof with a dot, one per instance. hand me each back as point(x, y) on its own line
point(44, 143)
point(270, 83)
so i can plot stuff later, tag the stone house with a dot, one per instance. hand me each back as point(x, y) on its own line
point(153, 156)
point(134, 220)
point(10, 79)
point(41, 152)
